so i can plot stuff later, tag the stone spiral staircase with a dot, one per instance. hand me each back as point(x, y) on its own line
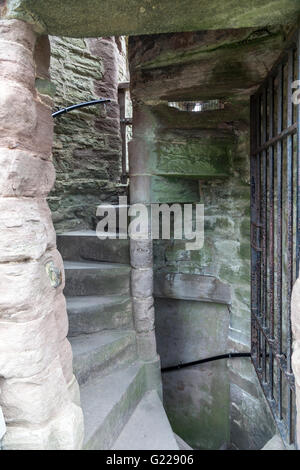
point(121, 409)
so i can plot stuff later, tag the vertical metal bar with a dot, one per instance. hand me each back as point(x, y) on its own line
point(258, 225)
point(272, 272)
point(253, 228)
point(122, 101)
point(290, 208)
point(279, 236)
point(264, 201)
point(271, 233)
point(298, 164)
point(298, 194)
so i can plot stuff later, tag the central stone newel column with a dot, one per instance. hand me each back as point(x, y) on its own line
point(38, 392)
point(141, 250)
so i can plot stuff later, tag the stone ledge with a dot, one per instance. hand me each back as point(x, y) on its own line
point(191, 287)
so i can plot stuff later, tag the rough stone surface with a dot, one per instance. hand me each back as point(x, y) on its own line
point(35, 359)
point(148, 427)
point(90, 278)
point(204, 157)
point(146, 345)
point(143, 314)
point(108, 402)
point(72, 18)
point(141, 253)
point(251, 416)
point(91, 314)
point(112, 378)
point(87, 143)
point(142, 282)
point(190, 286)
point(26, 229)
point(63, 432)
point(85, 245)
point(24, 174)
point(197, 399)
point(295, 309)
point(99, 353)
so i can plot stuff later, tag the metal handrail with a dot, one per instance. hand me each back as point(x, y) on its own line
point(80, 105)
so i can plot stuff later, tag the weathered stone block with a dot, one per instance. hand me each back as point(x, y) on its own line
point(141, 282)
point(199, 156)
point(146, 345)
point(63, 432)
point(197, 403)
point(85, 137)
point(140, 191)
point(188, 330)
point(196, 398)
point(252, 424)
point(143, 311)
point(24, 174)
point(139, 157)
point(141, 253)
point(66, 357)
point(19, 32)
point(170, 189)
point(74, 391)
point(27, 348)
point(16, 63)
point(191, 287)
point(32, 294)
point(18, 114)
point(26, 229)
point(18, 395)
point(61, 319)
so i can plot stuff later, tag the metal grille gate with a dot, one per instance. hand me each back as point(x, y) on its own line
point(275, 233)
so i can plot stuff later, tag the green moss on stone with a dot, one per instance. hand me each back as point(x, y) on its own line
point(75, 18)
point(45, 87)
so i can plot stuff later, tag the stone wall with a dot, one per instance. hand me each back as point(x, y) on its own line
point(204, 157)
point(39, 393)
point(197, 399)
point(226, 256)
point(87, 143)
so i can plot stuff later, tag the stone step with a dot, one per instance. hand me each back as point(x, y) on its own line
point(108, 403)
point(98, 313)
point(101, 352)
point(92, 278)
point(85, 245)
point(148, 428)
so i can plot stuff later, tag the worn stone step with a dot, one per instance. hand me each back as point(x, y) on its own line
point(108, 403)
point(97, 313)
point(85, 245)
point(100, 352)
point(148, 428)
point(92, 278)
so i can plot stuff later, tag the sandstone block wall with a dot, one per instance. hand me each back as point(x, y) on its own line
point(38, 392)
point(87, 143)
